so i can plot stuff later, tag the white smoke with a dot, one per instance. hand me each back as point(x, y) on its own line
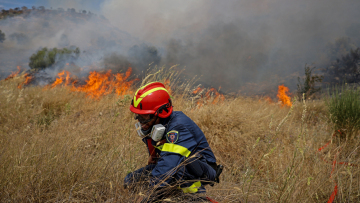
point(235, 42)
point(230, 43)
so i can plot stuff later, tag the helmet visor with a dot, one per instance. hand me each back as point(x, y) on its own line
point(143, 119)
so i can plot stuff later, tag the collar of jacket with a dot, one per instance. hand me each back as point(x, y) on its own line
point(165, 121)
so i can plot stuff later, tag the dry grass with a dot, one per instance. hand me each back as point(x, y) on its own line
point(57, 146)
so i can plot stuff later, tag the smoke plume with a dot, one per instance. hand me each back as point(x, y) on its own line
point(233, 44)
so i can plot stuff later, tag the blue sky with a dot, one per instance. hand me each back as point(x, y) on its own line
point(92, 5)
point(12, 4)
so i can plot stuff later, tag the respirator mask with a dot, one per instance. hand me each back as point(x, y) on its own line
point(156, 132)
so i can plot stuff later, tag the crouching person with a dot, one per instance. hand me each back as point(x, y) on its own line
point(179, 152)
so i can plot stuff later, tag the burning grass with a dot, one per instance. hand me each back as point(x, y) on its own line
point(98, 84)
point(58, 145)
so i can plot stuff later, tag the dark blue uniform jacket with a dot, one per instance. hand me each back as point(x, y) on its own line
point(183, 138)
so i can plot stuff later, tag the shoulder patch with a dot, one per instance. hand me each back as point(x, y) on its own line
point(172, 136)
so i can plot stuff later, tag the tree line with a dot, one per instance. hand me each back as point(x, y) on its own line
point(41, 10)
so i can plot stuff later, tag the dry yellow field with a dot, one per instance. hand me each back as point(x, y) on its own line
point(61, 146)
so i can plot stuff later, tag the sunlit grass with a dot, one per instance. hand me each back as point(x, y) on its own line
point(61, 146)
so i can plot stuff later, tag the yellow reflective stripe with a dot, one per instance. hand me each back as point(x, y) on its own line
point(174, 148)
point(137, 101)
point(159, 147)
point(193, 188)
point(143, 87)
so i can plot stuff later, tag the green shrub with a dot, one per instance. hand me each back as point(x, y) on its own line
point(47, 57)
point(344, 109)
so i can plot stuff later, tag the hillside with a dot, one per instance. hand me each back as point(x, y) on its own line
point(102, 46)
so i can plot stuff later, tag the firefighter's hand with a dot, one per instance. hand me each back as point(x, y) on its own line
point(153, 159)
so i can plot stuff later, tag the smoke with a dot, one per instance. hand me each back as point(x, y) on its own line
point(232, 44)
point(97, 39)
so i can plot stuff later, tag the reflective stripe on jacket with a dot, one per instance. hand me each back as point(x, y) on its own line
point(190, 140)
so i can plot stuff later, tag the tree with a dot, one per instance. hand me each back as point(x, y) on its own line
point(45, 58)
point(71, 10)
point(2, 36)
point(308, 84)
point(344, 70)
point(340, 47)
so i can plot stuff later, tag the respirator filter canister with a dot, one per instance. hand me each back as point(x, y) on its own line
point(157, 132)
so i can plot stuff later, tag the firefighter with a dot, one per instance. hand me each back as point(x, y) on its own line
point(179, 152)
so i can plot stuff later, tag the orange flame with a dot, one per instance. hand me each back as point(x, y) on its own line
point(98, 84)
point(61, 78)
point(13, 74)
point(167, 86)
point(121, 85)
point(283, 96)
point(210, 94)
point(197, 90)
point(268, 99)
point(216, 94)
point(28, 79)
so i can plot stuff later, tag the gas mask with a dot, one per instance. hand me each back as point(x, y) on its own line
point(156, 132)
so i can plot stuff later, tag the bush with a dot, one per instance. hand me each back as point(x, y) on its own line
point(45, 58)
point(344, 109)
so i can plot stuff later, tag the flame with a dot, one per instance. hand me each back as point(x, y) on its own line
point(197, 90)
point(206, 96)
point(268, 99)
point(283, 96)
point(60, 79)
point(122, 85)
point(98, 84)
point(28, 79)
point(217, 96)
point(167, 86)
point(13, 74)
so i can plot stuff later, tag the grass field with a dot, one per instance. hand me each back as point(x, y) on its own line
point(61, 146)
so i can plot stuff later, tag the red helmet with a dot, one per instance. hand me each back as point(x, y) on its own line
point(152, 98)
